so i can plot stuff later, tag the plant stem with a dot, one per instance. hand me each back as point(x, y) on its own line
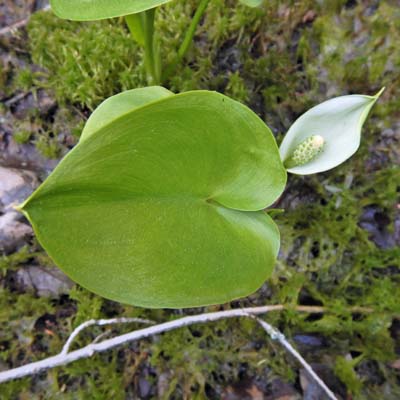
point(141, 27)
point(185, 45)
point(151, 48)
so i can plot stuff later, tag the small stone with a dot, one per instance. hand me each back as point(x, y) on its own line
point(13, 233)
point(46, 282)
point(388, 133)
point(281, 390)
point(15, 187)
point(395, 364)
point(309, 340)
point(144, 387)
point(41, 102)
point(376, 222)
point(26, 156)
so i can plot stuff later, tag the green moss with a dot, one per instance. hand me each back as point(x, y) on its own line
point(344, 370)
point(14, 260)
point(194, 355)
point(236, 88)
point(85, 62)
point(47, 145)
point(100, 379)
point(22, 136)
point(25, 79)
point(88, 304)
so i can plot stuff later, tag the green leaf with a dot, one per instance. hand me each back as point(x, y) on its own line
point(252, 3)
point(121, 103)
point(162, 207)
point(338, 121)
point(88, 10)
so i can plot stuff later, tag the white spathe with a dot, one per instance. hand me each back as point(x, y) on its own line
point(339, 122)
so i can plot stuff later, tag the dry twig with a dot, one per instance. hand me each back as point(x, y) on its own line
point(100, 322)
point(65, 357)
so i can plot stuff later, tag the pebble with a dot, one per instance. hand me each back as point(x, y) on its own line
point(15, 187)
point(13, 233)
point(24, 156)
point(45, 282)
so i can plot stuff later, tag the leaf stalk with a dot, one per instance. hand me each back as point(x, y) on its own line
point(141, 26)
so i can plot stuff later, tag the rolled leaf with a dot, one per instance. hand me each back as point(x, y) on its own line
point(162, 205)
point(136, 28)
point(338, 121)
point(88, 10)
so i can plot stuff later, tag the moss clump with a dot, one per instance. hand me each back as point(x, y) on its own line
point(22, 136)
point(345, 371)
point(25, 79)
point(14, 260)
point(85, 62)
point(47, 145)
point(236, 88)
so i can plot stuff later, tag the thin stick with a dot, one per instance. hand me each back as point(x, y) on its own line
point(93, 348)
point(280, 337)
point(100, 322)
point(15, 99)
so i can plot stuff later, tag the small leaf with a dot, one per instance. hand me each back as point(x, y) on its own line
point(162, 206)
point(88, 10)
point(338, 121)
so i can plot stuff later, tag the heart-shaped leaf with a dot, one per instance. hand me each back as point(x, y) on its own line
point(336, 124)
point(162, 206)
point(88, 10)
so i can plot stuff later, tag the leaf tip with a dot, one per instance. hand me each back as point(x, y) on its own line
point(379, 93)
